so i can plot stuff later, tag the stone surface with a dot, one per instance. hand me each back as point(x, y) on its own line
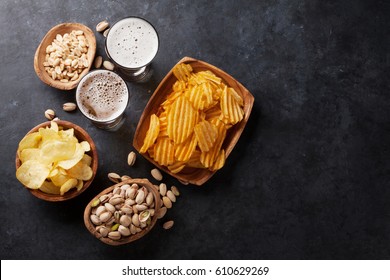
point(310, 176)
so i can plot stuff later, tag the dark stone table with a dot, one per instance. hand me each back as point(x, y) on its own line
point(310, 176)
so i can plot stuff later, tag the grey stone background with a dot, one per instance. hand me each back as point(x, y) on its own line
point(310, 176)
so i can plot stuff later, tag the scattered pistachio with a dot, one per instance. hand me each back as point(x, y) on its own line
point(168, 225)
point(131, 158)
point(69, 106)
point(50, 114)
point(108, 65)
point(98, 62)
point(101, 26)
point(156, 174)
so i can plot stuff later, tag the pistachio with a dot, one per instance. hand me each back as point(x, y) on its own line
point(108, 65)
point(133, 229)
point(129, 202)
point(114, 227)
point(104, 198)
point(144, 216)
point(95, 203)
point(105, 33)
point(175, 191)
point(117, 216)
point(69, 106)
point(141, 207)
point(168, 225)
point(104, 231)
point(50, 114)
point(167, 202)
point(104, 217)
point(114, 177)
point(135, 220)
point(149, 199)
point(125, 187)
point(130, 193)
point(124, 231)
point(171, 196)
point(161, 212)
point(140, 197)
point(127, 209)
point(101, 209)
point(156, 174)
point(125, 220)
point(109, 207)
point(131, 158)
point(137, 229)
point(114, 235)
point(98, 62)
point(116, 199)
point(95, 220)
point(163, 189)
point(101, 26)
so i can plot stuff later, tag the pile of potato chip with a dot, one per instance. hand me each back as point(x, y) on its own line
point(53, 160)
point(190, 125)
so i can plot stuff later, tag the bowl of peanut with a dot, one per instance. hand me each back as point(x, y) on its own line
point(65, 55)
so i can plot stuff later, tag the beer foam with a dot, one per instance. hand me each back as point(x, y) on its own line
point(102, 95)
point(132, 42)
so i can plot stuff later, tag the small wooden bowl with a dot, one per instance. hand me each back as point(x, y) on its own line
point(124, 240)
point(81, 135)
point(40, 54)
point(193, 175)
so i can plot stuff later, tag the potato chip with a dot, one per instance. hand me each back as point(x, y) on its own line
point(69, 184)
point(50, 188)
point(194, 119)
point(28, 154)
point(219, 162)
point(72, 159)
point(208, 158)
point(206, 133)
point(80, 171)
point(176, 167)
point(194, 160)
point(164, 151)
point(182, 118)
point(32, 174)
point(31, 140)
point(231, 110)
point(152, 133)
point(53, 160)
point(183, 151)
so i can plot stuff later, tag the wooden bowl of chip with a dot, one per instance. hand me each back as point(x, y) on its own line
point(40, 54)
point(124, 239)
point(81, 135)
point(196, 176)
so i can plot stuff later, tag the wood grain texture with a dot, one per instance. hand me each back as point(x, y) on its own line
point(124, 240)
point(81, 135)
point(192, 175)
point(40, 54)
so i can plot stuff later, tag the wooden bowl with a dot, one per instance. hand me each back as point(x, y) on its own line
point(81, 135)
point(40, 54)
point(124, 240)
point(193, 175)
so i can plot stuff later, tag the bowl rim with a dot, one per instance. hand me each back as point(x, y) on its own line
point(239, 127)
point(39, 69)
point(91, 228)
point(73, 192)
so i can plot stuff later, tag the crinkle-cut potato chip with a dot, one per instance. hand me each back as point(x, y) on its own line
point(231, 110)
point(164, 151)
point(220, 161)
point(176, 167)
point(53, 161)
point(151, 135)
point(182, 118)
point(208, 158)
point(32, 173)
point(206, 134)
point(193, 121)
point(50, 188)
point(183, 151)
